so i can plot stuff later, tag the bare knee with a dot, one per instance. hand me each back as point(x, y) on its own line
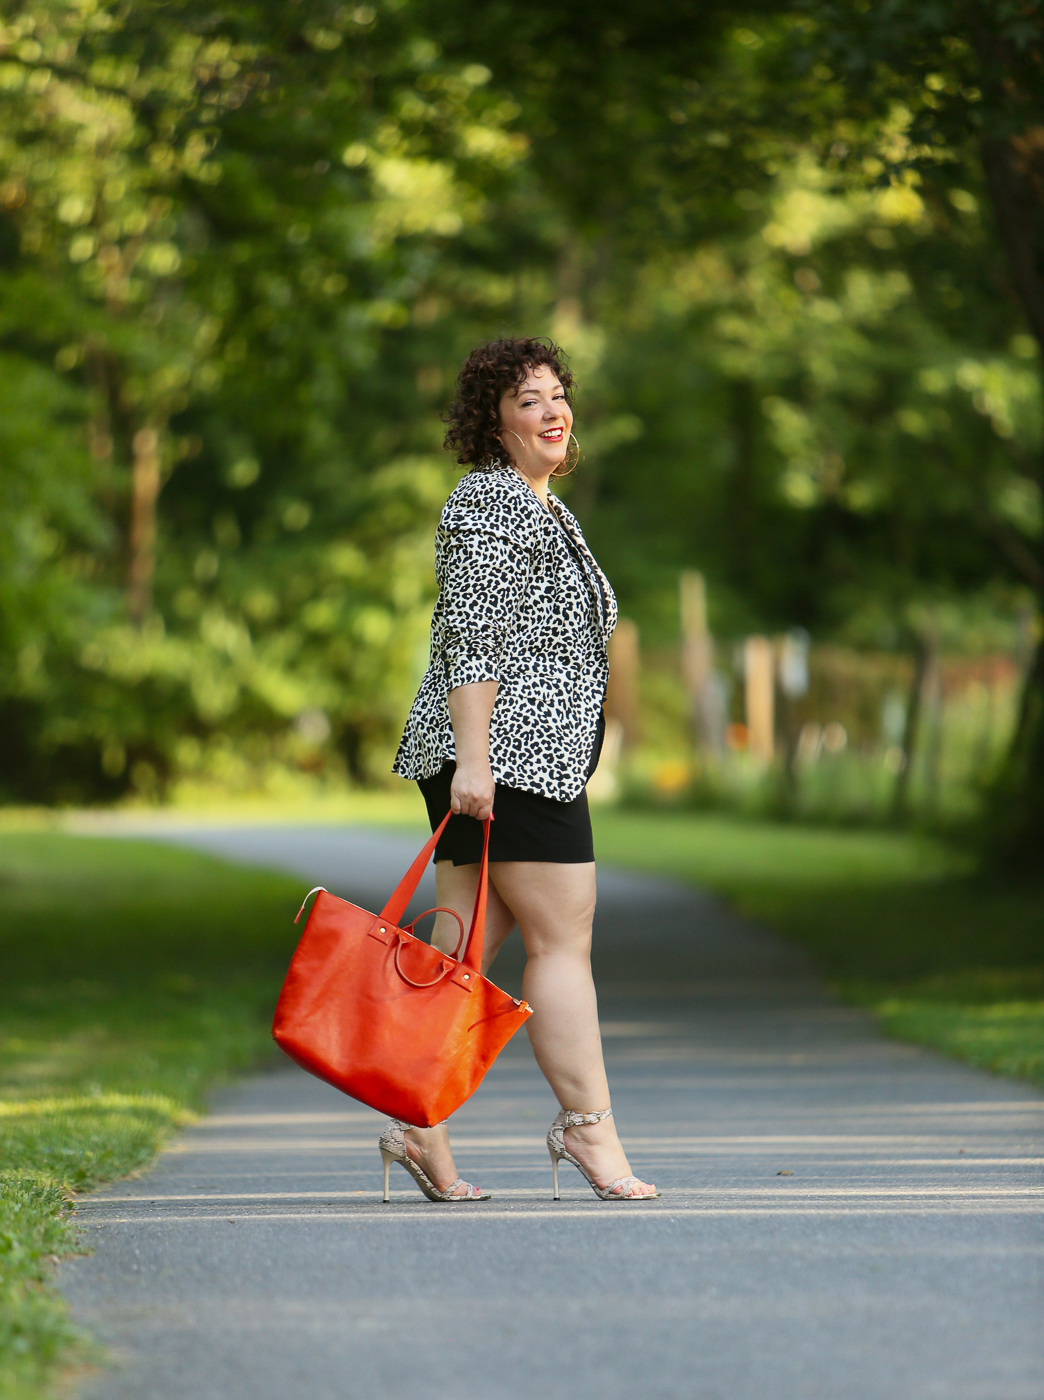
point(558, 937)
point(575, 950)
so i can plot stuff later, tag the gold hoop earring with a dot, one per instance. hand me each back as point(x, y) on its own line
point(558, 471)
point(525, 454)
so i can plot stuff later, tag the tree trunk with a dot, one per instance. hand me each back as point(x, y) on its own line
point(350, 742)
point(145, 488)
point(1014, 169)
point(571, 323)
point(1015, 831)
point(743, 415)
point(911, 730)
point(932, 707)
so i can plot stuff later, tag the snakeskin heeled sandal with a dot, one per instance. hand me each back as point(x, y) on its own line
point(618, 1190)
point(392, 1144)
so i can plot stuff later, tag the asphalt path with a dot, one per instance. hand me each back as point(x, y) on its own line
point(842, 1217)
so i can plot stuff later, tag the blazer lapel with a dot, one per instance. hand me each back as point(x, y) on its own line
point(595, 578)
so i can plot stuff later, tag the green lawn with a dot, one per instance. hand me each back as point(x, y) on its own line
point(135, 975)
point(897, 922)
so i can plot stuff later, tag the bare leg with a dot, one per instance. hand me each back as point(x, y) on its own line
point(554, 905)
point(455, 888)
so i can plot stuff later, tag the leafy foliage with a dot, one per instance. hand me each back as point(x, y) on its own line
point(226, 240)
point(243, 252)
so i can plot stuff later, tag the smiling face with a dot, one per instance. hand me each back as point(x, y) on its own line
point(535, 423)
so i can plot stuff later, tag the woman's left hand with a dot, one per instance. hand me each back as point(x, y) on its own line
point(470, 707)
point(472, 789)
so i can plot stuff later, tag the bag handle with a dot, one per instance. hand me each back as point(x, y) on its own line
point(438, 976)
point(404, 891)
point(438, 909)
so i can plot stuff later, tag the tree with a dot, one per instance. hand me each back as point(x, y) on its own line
point(242, 253)
point(935, 109)
point(228, 222)
point(969, 78)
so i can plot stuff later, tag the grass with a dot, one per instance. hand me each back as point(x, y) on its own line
point(307, 803)
point(898, 922)
point(135, 976)
point(992, 1019)
point(36, 1337)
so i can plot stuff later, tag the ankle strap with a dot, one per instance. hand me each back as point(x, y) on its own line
point(571, 1119)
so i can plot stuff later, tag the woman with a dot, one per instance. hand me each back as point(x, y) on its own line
point(509, 717)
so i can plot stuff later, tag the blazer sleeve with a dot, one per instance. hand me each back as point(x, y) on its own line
point(484, 574)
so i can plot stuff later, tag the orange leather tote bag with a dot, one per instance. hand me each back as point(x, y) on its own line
point(387, 1018)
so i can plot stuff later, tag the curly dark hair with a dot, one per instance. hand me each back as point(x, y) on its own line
point(489, 372)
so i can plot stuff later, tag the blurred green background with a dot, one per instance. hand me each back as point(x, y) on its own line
point(795, 252)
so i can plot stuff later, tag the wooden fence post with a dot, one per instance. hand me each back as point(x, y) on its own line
point(621, 698)
point(760, 697)
point(706, 700)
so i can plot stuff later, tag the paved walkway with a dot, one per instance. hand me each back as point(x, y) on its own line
point(842, 1217)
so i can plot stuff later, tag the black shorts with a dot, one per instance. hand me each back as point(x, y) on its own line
point(526, 826)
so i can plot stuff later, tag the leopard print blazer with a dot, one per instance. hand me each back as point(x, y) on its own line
point(521, 602)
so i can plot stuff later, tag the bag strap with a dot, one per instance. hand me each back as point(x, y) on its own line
point(407, 886)
point(404, 891)
point(477, 934)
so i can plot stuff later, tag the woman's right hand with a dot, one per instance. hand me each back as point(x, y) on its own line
point(471, 791)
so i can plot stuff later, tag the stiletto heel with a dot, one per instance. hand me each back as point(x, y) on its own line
point(559, 1152)
point(392, 1145)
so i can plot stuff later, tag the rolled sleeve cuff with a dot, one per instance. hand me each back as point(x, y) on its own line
point(471, 660)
